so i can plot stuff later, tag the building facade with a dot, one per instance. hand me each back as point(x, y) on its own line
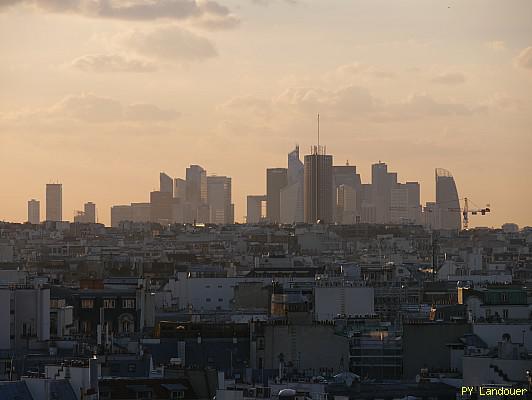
point(318, 186)
point(54, 202)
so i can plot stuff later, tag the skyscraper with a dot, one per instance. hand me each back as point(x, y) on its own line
point(276, 179)
point(219, 199)
point(196, 178)
point(254, 208)
point(296, 169)
point(346, 205)
point(291, 196)
point(405, 204)
point(119, 214)
point(318, 187)
point(414, 202)
point(90, 212)
point(180, 189)
point(196, 194)
point(34, 211)
point(161, 207)
point(347, 176)
point(140, 212)
point(382, 183)
point(166, 183)
point(54, 202)
point(447, 200)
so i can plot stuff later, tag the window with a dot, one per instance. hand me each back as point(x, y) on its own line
point(128, 303)
point(505, 313)
point(208, 300)
point(132, 368)
point(109, 303)
point(85, 327)
point(87, 303)
point(178, 395)
point(220, 300)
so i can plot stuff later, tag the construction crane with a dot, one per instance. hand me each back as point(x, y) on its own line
point(473, 211)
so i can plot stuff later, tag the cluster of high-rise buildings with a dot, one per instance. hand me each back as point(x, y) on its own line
point(310, 191)
point(54, 207)
point(316, 190)
point(199, 198)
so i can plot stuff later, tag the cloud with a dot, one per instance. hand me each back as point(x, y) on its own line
point(496, 45)
point(168, 43)
point(357, 68)
point(420, 106)
point(248, 104)
point(102, 63)
point(137, 10)
point(91, 108)
point(524, 59)
point(502, 101)
point(88, 108)
point(214, 23)
point(450, 78)
point(148, 112)
point(345, 105)
point(354, 101)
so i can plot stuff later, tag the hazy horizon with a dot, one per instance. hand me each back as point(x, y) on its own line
point(101, 96)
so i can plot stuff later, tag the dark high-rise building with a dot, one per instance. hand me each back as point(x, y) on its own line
point(196, 194)
point(34, 211)
point(255, 208)
point(196, 191)
point(166, 183)
point(89, 212)
point(180, 189)
point(318, 187)
point(161, 207)
point(447, 201)
point(119, 214)
point(382, 183)
point(344, 175)
point(219, 199)
point(276, 179)
point(54, 202)
point(292, 194)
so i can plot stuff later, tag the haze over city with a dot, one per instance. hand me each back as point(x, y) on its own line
point(103, 98)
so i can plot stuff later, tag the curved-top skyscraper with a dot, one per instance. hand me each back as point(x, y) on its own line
point(447, 200)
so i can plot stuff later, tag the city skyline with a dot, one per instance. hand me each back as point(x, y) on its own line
point(106, 107)
point(291, 197)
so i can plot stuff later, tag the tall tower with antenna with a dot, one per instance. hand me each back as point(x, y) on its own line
point(318, 184)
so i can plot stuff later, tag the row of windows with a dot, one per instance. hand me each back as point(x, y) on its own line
point(208, 300)
point(108, 303)
point(504, 313)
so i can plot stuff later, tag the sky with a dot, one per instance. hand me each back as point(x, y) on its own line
point(102, 95)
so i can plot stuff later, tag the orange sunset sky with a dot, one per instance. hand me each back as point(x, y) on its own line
point(102, 95)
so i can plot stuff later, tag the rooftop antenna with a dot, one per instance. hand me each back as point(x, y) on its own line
point(318, 131)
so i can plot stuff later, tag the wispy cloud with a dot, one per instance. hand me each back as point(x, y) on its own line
point(142, 10)
point(103, 63)
point(94, 109)
point(524, 59)
point(449, 78)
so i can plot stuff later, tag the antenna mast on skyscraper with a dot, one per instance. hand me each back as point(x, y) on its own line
point(318, 131)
